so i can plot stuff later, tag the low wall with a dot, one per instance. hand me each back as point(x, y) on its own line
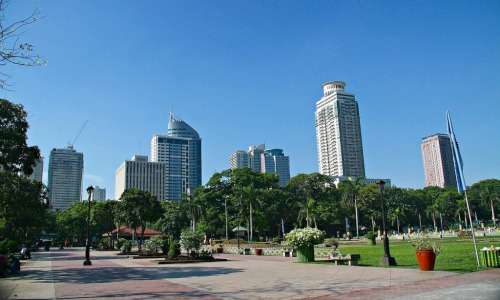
point(269, 250)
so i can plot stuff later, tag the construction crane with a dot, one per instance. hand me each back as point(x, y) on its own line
point(71, 144)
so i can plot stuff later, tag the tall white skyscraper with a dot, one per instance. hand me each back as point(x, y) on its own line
point(180, 151)
point(141, 174)
point(338, 132)
point(65, 177)
point(438, 161)
point(37, 174)
point(99, 193)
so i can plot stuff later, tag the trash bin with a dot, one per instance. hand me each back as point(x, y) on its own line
point(491, 257)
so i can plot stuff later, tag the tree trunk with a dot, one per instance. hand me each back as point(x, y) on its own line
point(459, 221)
point(283, 227)
point(434, 221)
point(251, 222)
point(225, 210)
point(419, 222)
point(143, 228)
point(356, 211)
point(307, 216)
point(465, 219)
point(441, 220)
point(373, 225)
point(397, 221)
point(492, 213)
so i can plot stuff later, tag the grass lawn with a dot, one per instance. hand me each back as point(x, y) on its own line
point(456, 255)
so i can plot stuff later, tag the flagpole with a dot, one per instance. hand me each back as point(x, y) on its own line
point(472, 228)
point(461, 185)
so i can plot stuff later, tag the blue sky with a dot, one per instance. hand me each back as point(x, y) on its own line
point(248, 72)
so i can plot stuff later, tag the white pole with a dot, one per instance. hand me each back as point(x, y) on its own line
point(472, 229)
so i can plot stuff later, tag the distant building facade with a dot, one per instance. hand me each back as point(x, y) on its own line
point(338, 132)
point(239, 159)
point(263, 161)
point(99, 193)
point(37, 174)
point(338, 179)
point(65, 177)
point(438, 161)
point(180, 152)
point(274, 161)
point(141, 174)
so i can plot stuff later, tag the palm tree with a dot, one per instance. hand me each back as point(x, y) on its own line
point(488, 196)
point(350, 197)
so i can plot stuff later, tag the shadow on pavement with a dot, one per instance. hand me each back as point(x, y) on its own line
point(117, 274)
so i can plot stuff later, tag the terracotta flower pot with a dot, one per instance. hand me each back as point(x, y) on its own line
point(426, 259)
point(258, 251)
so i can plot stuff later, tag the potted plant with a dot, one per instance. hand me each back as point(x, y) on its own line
point(426, 252)
point(220, 248)
point(303, 240)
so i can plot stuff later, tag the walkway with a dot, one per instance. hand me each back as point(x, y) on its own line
point(60, 274)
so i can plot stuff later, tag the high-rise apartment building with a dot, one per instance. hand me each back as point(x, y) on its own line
point(99, 193)
point(438, 161)
point(274, 161)
point(263, 161)
point(180, 152)
point(37, 174)
point(141, 174)
point(65, 177)
point(338, 132)
point(239, 159)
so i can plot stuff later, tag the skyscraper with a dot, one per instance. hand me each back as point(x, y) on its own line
point(239, 159)
point(274, 161)
point(263, 161)
point(37, 174)
point(99, 193)
point(141, 174)
point(254, 157)
point(438, 161)
point(65, 177)
point(338, 132)
point(180, 151)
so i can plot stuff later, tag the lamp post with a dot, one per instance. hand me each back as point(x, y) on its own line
point(387, 260)
point(87, 262)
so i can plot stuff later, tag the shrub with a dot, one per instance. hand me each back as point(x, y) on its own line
point(331, 242)
point(104, 243)
point(371, 238)
point(191, 240)
point(304, 237)
point(8, 246)
point(161, 242)
point(126, 246)
point(151, 246)
point(119, 243)
point(173, 249)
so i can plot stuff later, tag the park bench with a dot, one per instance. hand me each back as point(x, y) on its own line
point(349, 259)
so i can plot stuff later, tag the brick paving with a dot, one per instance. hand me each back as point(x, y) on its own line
point(59, 274)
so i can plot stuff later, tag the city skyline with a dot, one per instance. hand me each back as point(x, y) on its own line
point(272, 73)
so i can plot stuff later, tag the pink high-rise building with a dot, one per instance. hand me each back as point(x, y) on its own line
point(438, 161)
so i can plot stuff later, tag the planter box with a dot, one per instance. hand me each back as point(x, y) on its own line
point(258, 251)
point(305, 254)
point(490, 257)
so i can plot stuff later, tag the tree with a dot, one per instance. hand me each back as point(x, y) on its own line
point(13, 51)
point(313, 193)
point(350, 193)
point(173, 219)
point(138, 208)
point(15, 155)
point(487, 193)
point(23, 212)
point(104, 217)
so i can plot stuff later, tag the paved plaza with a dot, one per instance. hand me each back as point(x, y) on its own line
point(59, 274)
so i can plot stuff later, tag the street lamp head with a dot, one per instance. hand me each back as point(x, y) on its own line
point(381, 184)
